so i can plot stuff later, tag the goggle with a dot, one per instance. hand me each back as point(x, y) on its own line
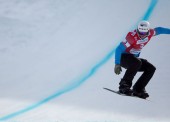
point(143, 33)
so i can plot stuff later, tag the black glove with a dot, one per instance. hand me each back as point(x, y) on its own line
point(117, 69)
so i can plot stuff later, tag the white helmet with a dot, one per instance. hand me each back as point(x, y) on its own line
point(143, 26)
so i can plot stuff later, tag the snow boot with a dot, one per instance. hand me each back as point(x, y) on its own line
point(126, 91)
point(142, 94)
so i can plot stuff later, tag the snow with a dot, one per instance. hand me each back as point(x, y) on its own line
point(57, 55)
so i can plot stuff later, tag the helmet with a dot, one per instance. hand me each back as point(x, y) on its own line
point(143, 27)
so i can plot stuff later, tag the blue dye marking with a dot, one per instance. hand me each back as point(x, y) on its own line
point(78, 82)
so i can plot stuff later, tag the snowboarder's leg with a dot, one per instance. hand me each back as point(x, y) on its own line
point(141, 83)
point(149, 71)
point(132, 64)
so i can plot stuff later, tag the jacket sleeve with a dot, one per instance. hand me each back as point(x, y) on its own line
point(119, 50)
point(161, 30)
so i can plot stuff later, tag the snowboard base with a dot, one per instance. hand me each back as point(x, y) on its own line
point(117, 92)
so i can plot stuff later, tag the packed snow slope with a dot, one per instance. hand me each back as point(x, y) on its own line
point(57, 55)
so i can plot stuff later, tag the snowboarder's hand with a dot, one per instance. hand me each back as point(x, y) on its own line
point(117, 69)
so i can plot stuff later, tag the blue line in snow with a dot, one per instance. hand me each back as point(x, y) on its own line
point(80, 81)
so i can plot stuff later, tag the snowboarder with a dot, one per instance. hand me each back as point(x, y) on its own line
point(127, 56)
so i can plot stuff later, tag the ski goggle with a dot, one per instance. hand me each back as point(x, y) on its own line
point(143, 33)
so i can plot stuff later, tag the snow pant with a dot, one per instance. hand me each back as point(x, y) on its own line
point(133, 65)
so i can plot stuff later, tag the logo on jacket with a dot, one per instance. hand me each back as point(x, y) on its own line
point(142, 41)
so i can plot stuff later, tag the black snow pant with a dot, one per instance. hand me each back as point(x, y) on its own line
point(133, 65)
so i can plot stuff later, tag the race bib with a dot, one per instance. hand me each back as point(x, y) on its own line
point(134, 51)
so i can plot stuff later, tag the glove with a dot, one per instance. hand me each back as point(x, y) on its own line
point(117, 69)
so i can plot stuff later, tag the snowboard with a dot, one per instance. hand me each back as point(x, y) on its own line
point(117, 92)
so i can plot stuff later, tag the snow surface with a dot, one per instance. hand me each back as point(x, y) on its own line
point(57, 55)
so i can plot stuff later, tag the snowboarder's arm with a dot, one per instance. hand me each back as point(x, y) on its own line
point(161, 30)
point(119, 50)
